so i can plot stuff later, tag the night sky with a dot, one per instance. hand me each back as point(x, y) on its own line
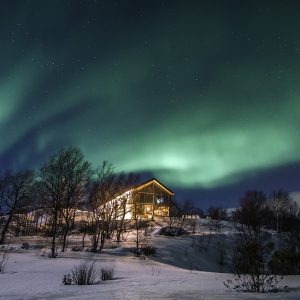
point(203, 95)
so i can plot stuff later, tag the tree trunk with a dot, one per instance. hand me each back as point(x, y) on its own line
point(137, 241)
point(102, 240)
point(54, 232)
point(65, 235)
point(95, 239)
point(5, 228)
point(36, 225)
point(83, 237)
point(120, 230)
point(120, 225)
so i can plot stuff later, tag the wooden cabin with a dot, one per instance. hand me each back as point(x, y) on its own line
point(151, 199)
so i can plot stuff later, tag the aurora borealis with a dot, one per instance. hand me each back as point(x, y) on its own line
point(204, 95)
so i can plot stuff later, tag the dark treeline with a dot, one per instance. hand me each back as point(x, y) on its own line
point(65, 189)
point(260, 250)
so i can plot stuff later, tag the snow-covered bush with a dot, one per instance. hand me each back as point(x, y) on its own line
point(107, 273)
point(83, 274)
point(254, 284)
point(88, 274)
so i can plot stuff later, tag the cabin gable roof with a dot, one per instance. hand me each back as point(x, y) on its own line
point(156, 182)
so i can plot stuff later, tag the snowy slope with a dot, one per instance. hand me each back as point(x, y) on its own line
point(30, 276)
point(176, 272)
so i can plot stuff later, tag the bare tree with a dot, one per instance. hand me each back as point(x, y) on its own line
point(77, 175)
point(282, 206)
point(174, 213)
point(139, 234)
point(102, 204)
point(216, 215)
point(252, 250)
point(124, 208)
point(286, 258)
point(16, 192)
point(61, 186)
point(187, 211)
point(109, 194)
point(250, 217)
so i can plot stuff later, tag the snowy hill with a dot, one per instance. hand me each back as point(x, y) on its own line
point(174, 273)
point(200, 251)
point(30, 276)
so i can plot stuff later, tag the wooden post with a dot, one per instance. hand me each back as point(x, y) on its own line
point(152, 218)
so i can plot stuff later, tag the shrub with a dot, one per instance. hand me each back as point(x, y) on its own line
point(149, 250)
point(88, 274)
point(172, 231)
point(25, 246)
point(135, 251)
point(251, 271)
point(107, 273)
point(254, 284)
point(83, 274)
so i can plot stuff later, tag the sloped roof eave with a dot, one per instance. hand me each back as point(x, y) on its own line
point(137, 187)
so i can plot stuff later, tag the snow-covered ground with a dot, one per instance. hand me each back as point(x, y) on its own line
point(31, 276)
point(170, 275)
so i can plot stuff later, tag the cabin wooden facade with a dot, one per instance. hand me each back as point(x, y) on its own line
point(151, 199)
